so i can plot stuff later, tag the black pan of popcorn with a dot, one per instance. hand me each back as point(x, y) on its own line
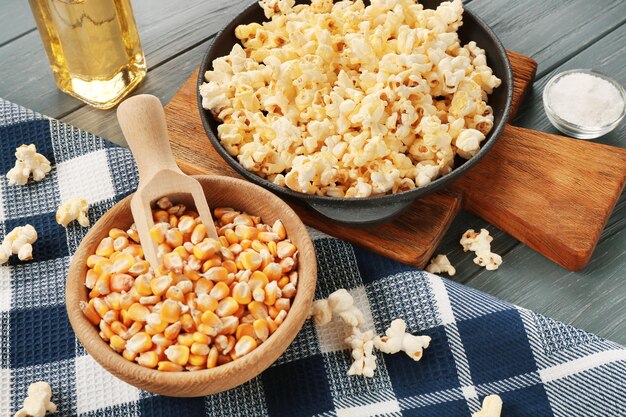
point(354, 108)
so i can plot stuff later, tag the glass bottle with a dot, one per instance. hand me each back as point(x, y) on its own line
point(93, 47)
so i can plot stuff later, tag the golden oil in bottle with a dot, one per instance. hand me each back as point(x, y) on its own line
point(93, 47)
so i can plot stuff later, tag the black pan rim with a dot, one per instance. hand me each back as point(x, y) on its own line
point(375, 200)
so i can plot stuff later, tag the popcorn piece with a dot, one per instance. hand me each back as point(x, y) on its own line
point(321, 312)
point(340, 303)
point(492, 407)
point(18, 241)
point(73, 209)
point(397, 339)
point(440, 264)
point(29, 163)
point(348, 100)
point(362, 345)
point(480, 244)
point(38, 403)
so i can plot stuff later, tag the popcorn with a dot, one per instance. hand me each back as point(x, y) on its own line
point(327, 98)
point(74, 209)
point(480, 244)
point(340, 303)
point(29, 163)
point(397, 340)
point(18, 241)
point(362, 344)
point(492, 407)
point(38, 403)
point(440, 264)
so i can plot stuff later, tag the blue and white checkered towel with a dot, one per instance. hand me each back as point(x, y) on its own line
point(480, 345)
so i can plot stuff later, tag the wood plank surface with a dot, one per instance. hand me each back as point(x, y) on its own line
point(166, 30)
point(15, 20)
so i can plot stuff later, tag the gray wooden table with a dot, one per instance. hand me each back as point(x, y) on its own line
point(559, 34)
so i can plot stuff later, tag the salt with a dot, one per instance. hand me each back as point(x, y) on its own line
point(585, 100)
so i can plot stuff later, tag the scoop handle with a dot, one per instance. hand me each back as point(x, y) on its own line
point(142, 120)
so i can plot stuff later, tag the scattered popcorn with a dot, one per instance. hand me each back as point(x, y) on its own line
point(480, 244)
point(73, 209)
point(397, 339)
point(29, 163)
point(440, 264)
point(492, 407)
point(38, 403)
point(321, 312)
point(362, 344)
point(351, 100)
point(18, 241)
point(341, 304)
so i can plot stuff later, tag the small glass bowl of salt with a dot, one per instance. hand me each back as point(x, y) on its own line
point(584, 104)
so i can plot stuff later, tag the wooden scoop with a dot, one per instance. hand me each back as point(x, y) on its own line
point(142, 120)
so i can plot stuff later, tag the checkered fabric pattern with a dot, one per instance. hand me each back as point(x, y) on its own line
point(480, 345)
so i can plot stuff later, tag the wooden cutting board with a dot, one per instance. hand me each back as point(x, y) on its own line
point(553, 193)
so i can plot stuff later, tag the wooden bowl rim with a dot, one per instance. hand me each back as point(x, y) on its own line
point(137, 375)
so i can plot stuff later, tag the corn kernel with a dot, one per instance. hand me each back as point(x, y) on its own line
point(187, 322)
point(242, 293)
point(258, 279)
point(182, 252)
point(245, 329)
point(279, 229)
point(159, 286)
point(206, 249)
point(172, 331)
point(198, 360)
point(159, 230)
point(228, 217)
point(258, 246)
point(168, 366)
point(121, 282)
point(273, 271)
point(148, 359)
point(139, 268)
point(174, 237)
point(272, 325)
point(272, 248)
point(91, 278)
point(119, 328)
point(250, 259)
point(245, 345)
point(225, 343)
point(116, 233)
point(212, 358)
point(200, 349)
point(203, 286)
point(105, 247)
point(261, 329)
point(246, 232)
point(133, 234)
point(258, 310)
point(100, 306)
point(185, 339)
point(219, 291)
point(217, 274)
point(173, 262)
point(206, 303)
point(235, 249)
point(133, 330)
point(285, 249)
point(280, 317)
point(186, 224)
point(170, 311)
point(161, 251)
point(117, 343)
point(272, 293)
point(139, 343)
point(231, 237)
point(149, 300)
point(90, 312)
point(289, 290)
point(268, 237)
point(128, 355)
point(198, 234)
point(230, 266)
point(143, 284)
point(229, 325)
point(283, 304)
point(175, 293)
point(138, 312)
point(114, 300)
point(226, 307)
point(160, 216)
point(259, 295)
point(287, 264)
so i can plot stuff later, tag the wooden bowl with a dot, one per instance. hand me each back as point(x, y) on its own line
point(221, 192)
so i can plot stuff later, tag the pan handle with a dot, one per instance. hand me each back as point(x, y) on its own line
point(361, 216)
